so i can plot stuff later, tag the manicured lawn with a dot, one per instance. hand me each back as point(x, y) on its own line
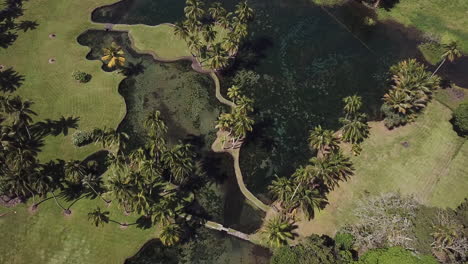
point(51, 86)
point(157, 39)
point(446, 19)
point(430, 167)
point(49, 237)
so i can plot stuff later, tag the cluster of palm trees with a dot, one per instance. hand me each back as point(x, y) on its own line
point(411, 91)
point(354, 124)
point(200, 33)
point(237, 123)
point(150, 180)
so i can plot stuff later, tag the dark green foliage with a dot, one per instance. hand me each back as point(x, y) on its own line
point(460, 119)
point(314, 250)
point(423, 228)
point(246, 79)
point(462, 213)
point(82, 138)
point(392, 119)
point(394, 255)
point(82, 77)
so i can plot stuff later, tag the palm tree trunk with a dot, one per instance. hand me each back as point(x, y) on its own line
point(440, 65)
point(294, 194)
point(63, 208)
point(98, 194)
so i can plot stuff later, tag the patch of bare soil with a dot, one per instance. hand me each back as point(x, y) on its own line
point(456, 94)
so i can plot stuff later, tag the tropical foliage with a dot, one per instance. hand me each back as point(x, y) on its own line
point(412, 88)
point(278, 231)
point(460, 119)
point(114, 56)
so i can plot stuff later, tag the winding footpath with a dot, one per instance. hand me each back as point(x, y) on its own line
point(235, 153)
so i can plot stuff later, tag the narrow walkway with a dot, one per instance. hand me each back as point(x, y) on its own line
point(219, 227)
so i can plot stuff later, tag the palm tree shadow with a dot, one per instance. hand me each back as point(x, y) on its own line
point(10, 80)
point(133, 69)
point(144, 222)
point(7, 38)
point(27, 25)
point(56, 127)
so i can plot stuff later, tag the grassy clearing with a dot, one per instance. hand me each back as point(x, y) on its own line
point(445, 19)
point(431, 168)
point(159, 40)
point(49, 237)
point(51, 86)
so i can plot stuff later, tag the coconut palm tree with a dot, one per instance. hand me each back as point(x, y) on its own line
point(309, 200)
point(278, 231)
point(244, 12)
point(181, 31)
point(340, 165)
point(323, 171)
point(219, 57)
point(451, 53)
point(354, 130)
point(194, 9)
point(179, 161)
point(281, 189)
point(114, 56)
point(209, 34)
point(74, 171)
point(92, 181)
point(352, 104)
point(230, 45)
point(122, 190)
point(242, 124)
point(164, 212)
point(234, 93)
point(225, 20)
point(21, 112)
point(194, 44)
point(216, 11)
point(323, 140)
point(98, 217)
point(170, 235)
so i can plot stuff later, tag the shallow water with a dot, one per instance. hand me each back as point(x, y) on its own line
point(308, 60)
point(189, 107)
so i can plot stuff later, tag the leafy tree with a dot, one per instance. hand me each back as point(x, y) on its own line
point(170, 235)
point(313, 250)
point(98, 217)
point(460, 119)
point(278, 231)
point(114, 56)
point(394, 255)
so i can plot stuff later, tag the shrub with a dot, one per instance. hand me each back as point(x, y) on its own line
point(394, 255)
point(82, 77)
point(460, 119)
point(82, 138)
point(392, 119)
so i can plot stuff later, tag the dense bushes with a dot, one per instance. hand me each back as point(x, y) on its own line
point(82, 138)
point(394, 255)
point(460, 119)
point(82, 77)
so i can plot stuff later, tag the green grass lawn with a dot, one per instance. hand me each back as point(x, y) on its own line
point(51, 86)
point(47, 236)
point(431, 168)
point(445, 19)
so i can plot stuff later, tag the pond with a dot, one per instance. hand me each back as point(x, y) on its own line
point(308, 59)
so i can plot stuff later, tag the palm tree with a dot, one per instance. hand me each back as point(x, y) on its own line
point(122, 190)
point(181, 31)
point(352, 104)
point(113, 55)
point(209, 34)
point(225, 20)
point(74, 171)
point(354, 130)
point(323, 170)
point(179, 161)
point(242, 124)
point(164, 212)
point(170, 235)
point(230, 45)
point(340, 165)
point(216, 11)
point(194, 9)
point(21, 112)
point(398, 100)
point(303, 175)
point(91, 180)
point(244, 12)
point(234, 93)
point(98, 217)
point(323, 140)
point(278, 230)
point(194, 44)
point(281, 188)
point(219, 57)
point(451, 53)
point(309, 200)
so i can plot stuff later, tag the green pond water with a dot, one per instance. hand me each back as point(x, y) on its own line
point(308, 61)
